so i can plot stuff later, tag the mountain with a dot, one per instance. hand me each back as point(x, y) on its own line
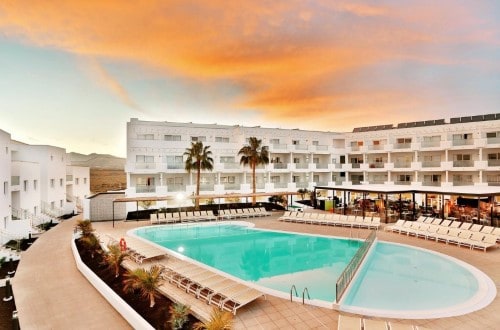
point(97, 161)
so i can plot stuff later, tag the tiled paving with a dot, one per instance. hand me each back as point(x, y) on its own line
point(270, 313)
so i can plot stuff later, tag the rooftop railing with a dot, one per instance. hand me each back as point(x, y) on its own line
point(348, 274)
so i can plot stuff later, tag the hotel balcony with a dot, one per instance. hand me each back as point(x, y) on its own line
point(376, 165)
point(462, 142)
point(278, 147)
point(319, 166)
point(176, 188)
point(430, 144)
point(302, 184)
point(301, 166)
point(431, 164)
point(463, 163)
point(301, 147)
point(335, 166)
point(403, 183)
point(207, 187)
point(321, 149)
point(232, 186)
point(141, 167)
point(145, 189)
point(399, 146)
point(280, 185)
point(493, 162)
point(462, 183)
point(431, 183)
point(402, 165)
point(279, 166)
point(174, 166)
point(376, 147)
point(495, 140)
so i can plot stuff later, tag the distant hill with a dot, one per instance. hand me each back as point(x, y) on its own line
point(97, 161)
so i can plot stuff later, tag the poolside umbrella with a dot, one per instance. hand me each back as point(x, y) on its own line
point(8, 290)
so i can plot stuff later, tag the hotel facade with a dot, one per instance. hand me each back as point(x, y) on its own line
point(462, 151)
point(38, 185)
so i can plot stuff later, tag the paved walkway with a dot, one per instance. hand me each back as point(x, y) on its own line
point(51, 294)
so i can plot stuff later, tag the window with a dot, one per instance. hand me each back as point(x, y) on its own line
point(227, 159)
point(274, 141)
point(61, 182)
point(296, 178)
point(404, 178)
point(144, 159)
point(25, 185)
point(175, 181)
point(295, 142)
point(275, 179)
point(315, 160)
point(52, 205)
point(491, 135)
point(460, 157)
point(145, 136)
point(494, 156)
point(434, 138)
point(61, 203)
point(173, 159)
point(52, 183)
point(227, 179)
point(221, 139)
point(198, 138)
point(84, 180)
point(5, 187)
point(296, 160)
point(172, 137)
point(466, 136)
point(77, 180)
point(376, 142)
point(35, 184)
point(315, 143)
point(403, 140)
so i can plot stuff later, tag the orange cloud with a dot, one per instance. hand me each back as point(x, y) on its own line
point(289, 58)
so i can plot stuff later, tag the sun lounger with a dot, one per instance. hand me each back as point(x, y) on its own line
point(476, 228)
point(465, 226)
point(374, 324)
point(487, 230)
point(445, 223)
point(487, 242)
point(463, 238)
point(232, 304)
point(455, 224)
point(396, 226)
point(349, 322)
point(153, 218)
point(400, 326)
point(436, 221)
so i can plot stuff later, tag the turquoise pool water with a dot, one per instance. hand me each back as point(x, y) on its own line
point(394, 281)
point(276, 260)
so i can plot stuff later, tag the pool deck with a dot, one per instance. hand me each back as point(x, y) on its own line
point(50, 292)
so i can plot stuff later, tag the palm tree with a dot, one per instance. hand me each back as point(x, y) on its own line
point(219, 320)
point(91, 243)
point(146, 281)
point(252, 155)
point(114, 257)
point(85, 227)
point(198, 158)
point(178, 315)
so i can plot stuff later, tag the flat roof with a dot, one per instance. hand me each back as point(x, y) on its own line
point(476, 191)
point(214, 196)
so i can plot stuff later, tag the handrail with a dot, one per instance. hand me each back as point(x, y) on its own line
point(348, 274)
point(303, 295)
point(293, 288)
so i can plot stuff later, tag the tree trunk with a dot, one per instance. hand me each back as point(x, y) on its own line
point(198, 177)
point(151, 300)
point(254, 198)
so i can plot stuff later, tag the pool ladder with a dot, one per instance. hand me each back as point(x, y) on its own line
point(294, 289)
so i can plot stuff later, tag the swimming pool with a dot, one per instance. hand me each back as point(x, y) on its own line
point(275, 261)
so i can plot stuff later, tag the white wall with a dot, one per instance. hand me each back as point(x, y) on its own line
point(5, 174)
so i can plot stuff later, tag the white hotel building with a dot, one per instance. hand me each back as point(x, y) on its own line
point(38, 185)
point(437, 153)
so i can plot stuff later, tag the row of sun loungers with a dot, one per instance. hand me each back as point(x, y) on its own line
point(243, 213)
point(474, 236)
point(173, 217)
point(215, 289)
point(331, 219)
point(354, 322)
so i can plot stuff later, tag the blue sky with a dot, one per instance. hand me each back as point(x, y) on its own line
point(73, 73)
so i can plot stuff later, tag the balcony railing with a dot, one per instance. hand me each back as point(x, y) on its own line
point(301, 166)
point(355, 148)
point(495, 140)
point(431, 163)
point(301, 184)
point(493, 162)
point(355, 165)
point(231, 166)
point(322, 148)
point(279, 166)
point(462, 183)
point(69, 178)
point(231, 186)
point(279, 146)
point(337, 166)
point(402, 165)
point(376, 147)
point(463, 163)
point(430, 144)
point(402, 146)
point(322, 183)
point(377, 165)
point(404, 183)
point(207, 187)
point(377, 181)
point(176, 187)
point(464, 142)
point(175, 166)
point(145, 189)
point(431, 183)
point(280, 184)
point(301, 147)
point(321, 166)
point(145, 165)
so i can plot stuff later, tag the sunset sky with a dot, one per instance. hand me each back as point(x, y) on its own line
point(72, 73)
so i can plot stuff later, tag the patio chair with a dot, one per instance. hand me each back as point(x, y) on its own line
point(348, 322)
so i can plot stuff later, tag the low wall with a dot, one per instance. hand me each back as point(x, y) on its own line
point(128, 313)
